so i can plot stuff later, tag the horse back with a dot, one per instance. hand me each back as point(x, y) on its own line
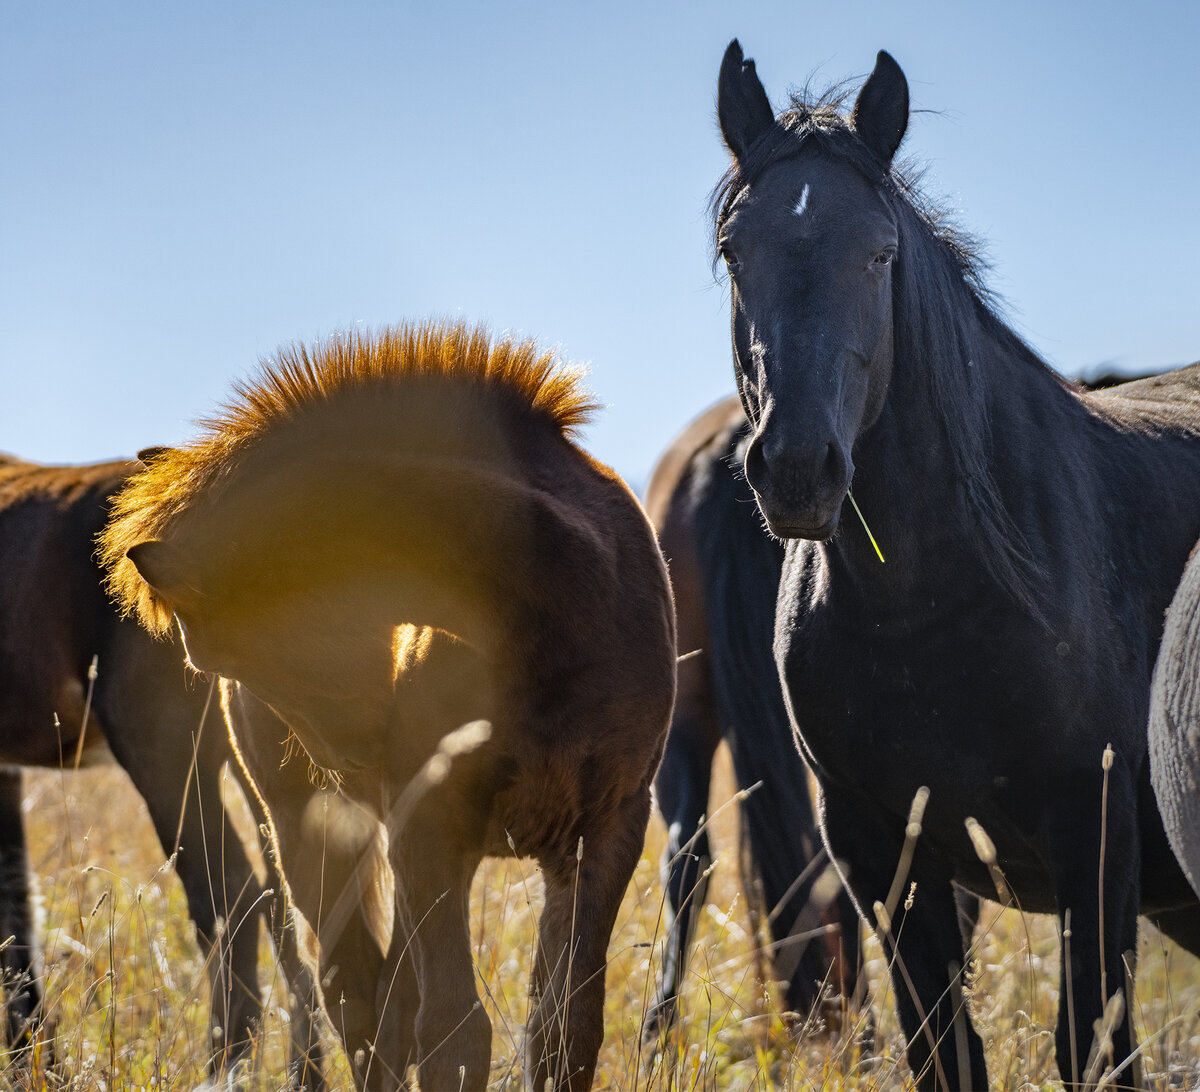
point(1148, 479)
point(671, 506)
point(534, 564)
point(1152, 396)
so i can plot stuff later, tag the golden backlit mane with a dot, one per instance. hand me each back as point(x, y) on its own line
point(301, 376)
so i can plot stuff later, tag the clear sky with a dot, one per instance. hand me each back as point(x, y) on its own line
point(186, 186)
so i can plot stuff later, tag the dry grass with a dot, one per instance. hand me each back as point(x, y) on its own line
point(127, 988)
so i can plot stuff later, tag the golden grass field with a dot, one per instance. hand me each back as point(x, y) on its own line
point(127, 989)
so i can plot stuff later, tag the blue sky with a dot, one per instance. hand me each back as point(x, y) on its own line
point(184, 187)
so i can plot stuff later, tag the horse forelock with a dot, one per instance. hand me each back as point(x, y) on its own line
point(299, 392)
point(822, 120)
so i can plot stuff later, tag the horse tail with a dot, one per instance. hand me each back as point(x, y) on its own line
point(741, 566)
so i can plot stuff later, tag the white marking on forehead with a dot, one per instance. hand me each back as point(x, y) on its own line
point(802, 204)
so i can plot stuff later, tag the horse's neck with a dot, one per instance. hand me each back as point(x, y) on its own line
point(909, 481)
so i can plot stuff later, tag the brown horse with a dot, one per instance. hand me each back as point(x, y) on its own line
point(725, 573)
point(394, 547)
point(74, 676)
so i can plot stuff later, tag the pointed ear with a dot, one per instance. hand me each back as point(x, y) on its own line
point(743, 110)
point(148, 454)
point(881, 112)
point(167, 570)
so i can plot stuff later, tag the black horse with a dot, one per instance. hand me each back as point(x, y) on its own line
point(1033, 535)
point(724, 575)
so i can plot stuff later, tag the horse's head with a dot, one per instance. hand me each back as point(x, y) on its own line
point(809, 236)
point(285, 649)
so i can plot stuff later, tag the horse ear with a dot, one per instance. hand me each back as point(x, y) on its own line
point(743, 110)
point(881, 112)
point(148, 454)
point(167, 570)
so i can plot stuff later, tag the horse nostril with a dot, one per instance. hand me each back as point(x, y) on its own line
point(835, 465)
point(756, 465)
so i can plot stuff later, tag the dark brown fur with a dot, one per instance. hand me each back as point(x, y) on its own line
point(382, 540)
point(724, 574)
point(146, 705)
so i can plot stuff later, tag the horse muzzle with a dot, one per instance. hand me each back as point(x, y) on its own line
point(798, 497)
point(789, 523)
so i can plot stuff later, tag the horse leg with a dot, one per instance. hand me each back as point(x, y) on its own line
point(968, 904)
point(329, 870)
point(434, 859)
point(167, 732)
point(1101, 951)
point(814, 925)
point(330, 856)
point(583, 895)
point(306, 1066)
point(681, 790)
point(20, 958)
point(397, 1002)
point(223, 894)
point(924, 948)
point(295, 947)
point(922, 943)
point(818, 951)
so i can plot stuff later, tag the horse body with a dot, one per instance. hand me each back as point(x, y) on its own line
point(1024, 704)
point(1033, 536)
point(141, 705)
point(398, 549)
point(49, 516)
point(1175, 723)
point(725, 575)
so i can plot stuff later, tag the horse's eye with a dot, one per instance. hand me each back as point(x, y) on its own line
point(885, 256)
point(731, 261)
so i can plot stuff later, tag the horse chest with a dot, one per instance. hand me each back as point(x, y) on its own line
point(883, 711)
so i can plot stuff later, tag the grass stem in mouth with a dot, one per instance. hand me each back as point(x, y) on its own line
point(863, 520)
